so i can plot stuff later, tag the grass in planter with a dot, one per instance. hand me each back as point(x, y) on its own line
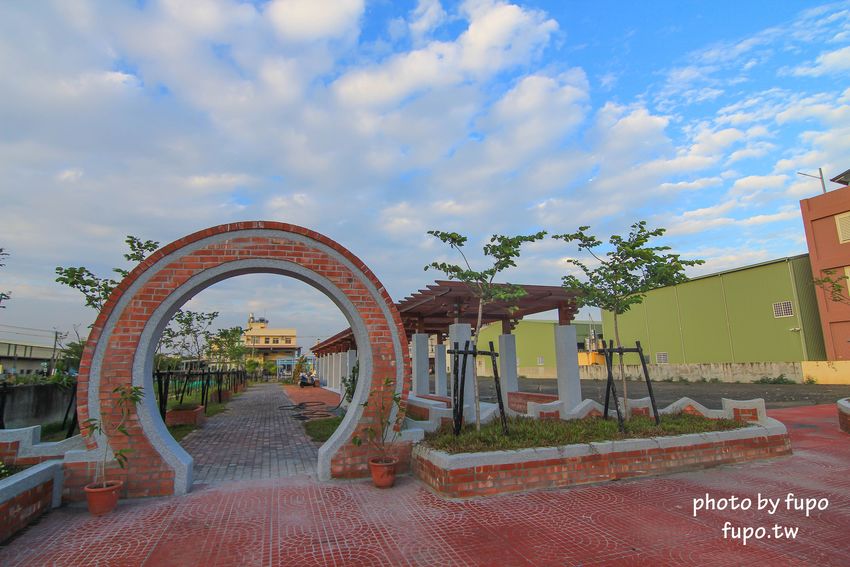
point(321, 429)
point(181, 431)
point(191, 402)
point(526, 432)
point(9, 470)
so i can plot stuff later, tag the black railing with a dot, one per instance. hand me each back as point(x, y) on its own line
point(204, 385)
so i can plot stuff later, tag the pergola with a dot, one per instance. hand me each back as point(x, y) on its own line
point(433, 309)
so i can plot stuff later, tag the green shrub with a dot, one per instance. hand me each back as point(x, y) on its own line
point(781, 379)
point(526, 432)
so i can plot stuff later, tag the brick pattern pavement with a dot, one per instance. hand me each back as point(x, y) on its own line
point(297, 521)
point(252, 440)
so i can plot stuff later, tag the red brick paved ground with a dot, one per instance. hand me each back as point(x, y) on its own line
point(311, 394)
point(296, 521)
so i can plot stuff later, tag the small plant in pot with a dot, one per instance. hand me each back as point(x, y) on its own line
point(102, 494)
point(389, 416)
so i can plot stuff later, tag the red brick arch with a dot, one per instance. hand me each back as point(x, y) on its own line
point(120, 347)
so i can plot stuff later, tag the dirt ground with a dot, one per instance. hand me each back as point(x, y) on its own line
point(708, 394)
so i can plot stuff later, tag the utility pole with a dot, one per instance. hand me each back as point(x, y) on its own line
point(53, 356)
point(819, 176)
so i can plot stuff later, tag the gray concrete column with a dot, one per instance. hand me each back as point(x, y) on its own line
point(419, 363)
point(460, 333)
point(338, 361)
point(440, 379)
point(350, 359)
point(507, 364)
point(566, 360)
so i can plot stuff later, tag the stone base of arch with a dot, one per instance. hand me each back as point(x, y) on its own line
point(121, 345)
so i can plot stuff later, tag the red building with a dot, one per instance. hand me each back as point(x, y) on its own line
point(827, 222)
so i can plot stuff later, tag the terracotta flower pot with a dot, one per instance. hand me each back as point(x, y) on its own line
point(103, 500)
point(383, 471)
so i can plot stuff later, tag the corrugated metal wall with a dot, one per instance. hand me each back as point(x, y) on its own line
point(808, 308)
point(728, 317)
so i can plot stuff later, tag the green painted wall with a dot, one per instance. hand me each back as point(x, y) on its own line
point(728, 317)
point(534, 338)
point(809, 315)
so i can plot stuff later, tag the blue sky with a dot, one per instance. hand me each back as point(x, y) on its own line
point(373, 122)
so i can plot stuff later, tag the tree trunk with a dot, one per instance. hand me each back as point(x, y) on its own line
point(475, 366)
point(622, 368)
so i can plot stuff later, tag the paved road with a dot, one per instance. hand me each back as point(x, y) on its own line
point(708, 394)
point(253, 439)
point(298, 521)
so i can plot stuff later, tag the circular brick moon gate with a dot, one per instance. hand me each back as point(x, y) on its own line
point(121, 345)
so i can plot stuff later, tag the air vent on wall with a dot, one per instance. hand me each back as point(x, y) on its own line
point(660, 358)
point(842, 222)
point(783, 309)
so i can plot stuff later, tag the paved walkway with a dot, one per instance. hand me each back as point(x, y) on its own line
point(254, 439)
point(297, 521)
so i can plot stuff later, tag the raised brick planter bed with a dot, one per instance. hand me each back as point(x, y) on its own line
point(186, 417)
point(480, 474)
point(468, 475)
point(27, 495)
point(844, 415)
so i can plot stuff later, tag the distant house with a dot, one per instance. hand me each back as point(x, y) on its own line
point(24, 359)
point(265, 344)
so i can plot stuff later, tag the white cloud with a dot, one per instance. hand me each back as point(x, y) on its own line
point(426, 17)
point(498, 36)
point(71, 175)
point(220, 180)
point(694, 185)
point(308, 20)
point(832, 62)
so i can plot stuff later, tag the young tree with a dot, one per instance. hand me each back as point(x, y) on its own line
point(4, 295)
point(502, 251)
point(97, 290)
point(192, 332)
point(226, 345)
point(835, 288)
point(187, 331)
point(623, 275)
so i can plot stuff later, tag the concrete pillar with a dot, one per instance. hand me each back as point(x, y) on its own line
point(419, 363)
point(460, 333)
point(441, 382)
point(350, 360)
point(566, 360)
point(507, 365)
point(338, 361)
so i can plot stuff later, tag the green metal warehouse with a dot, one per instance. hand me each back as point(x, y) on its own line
point(761, 313)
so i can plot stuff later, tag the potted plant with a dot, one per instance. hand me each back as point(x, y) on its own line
point(102, 494)
point(383, 434)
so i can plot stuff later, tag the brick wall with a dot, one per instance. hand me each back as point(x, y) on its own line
point(518, 401)
point(16, 513)
point(492, 479)
point(176, 264)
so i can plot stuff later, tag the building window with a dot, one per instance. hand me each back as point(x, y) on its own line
point(539, 361)
point(783, 309)
point(842, 223)
point(266, 340)
point(275, 341)
point(288, 341)
point(661, 358)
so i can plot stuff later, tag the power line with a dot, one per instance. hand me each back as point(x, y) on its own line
point(49, 331)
